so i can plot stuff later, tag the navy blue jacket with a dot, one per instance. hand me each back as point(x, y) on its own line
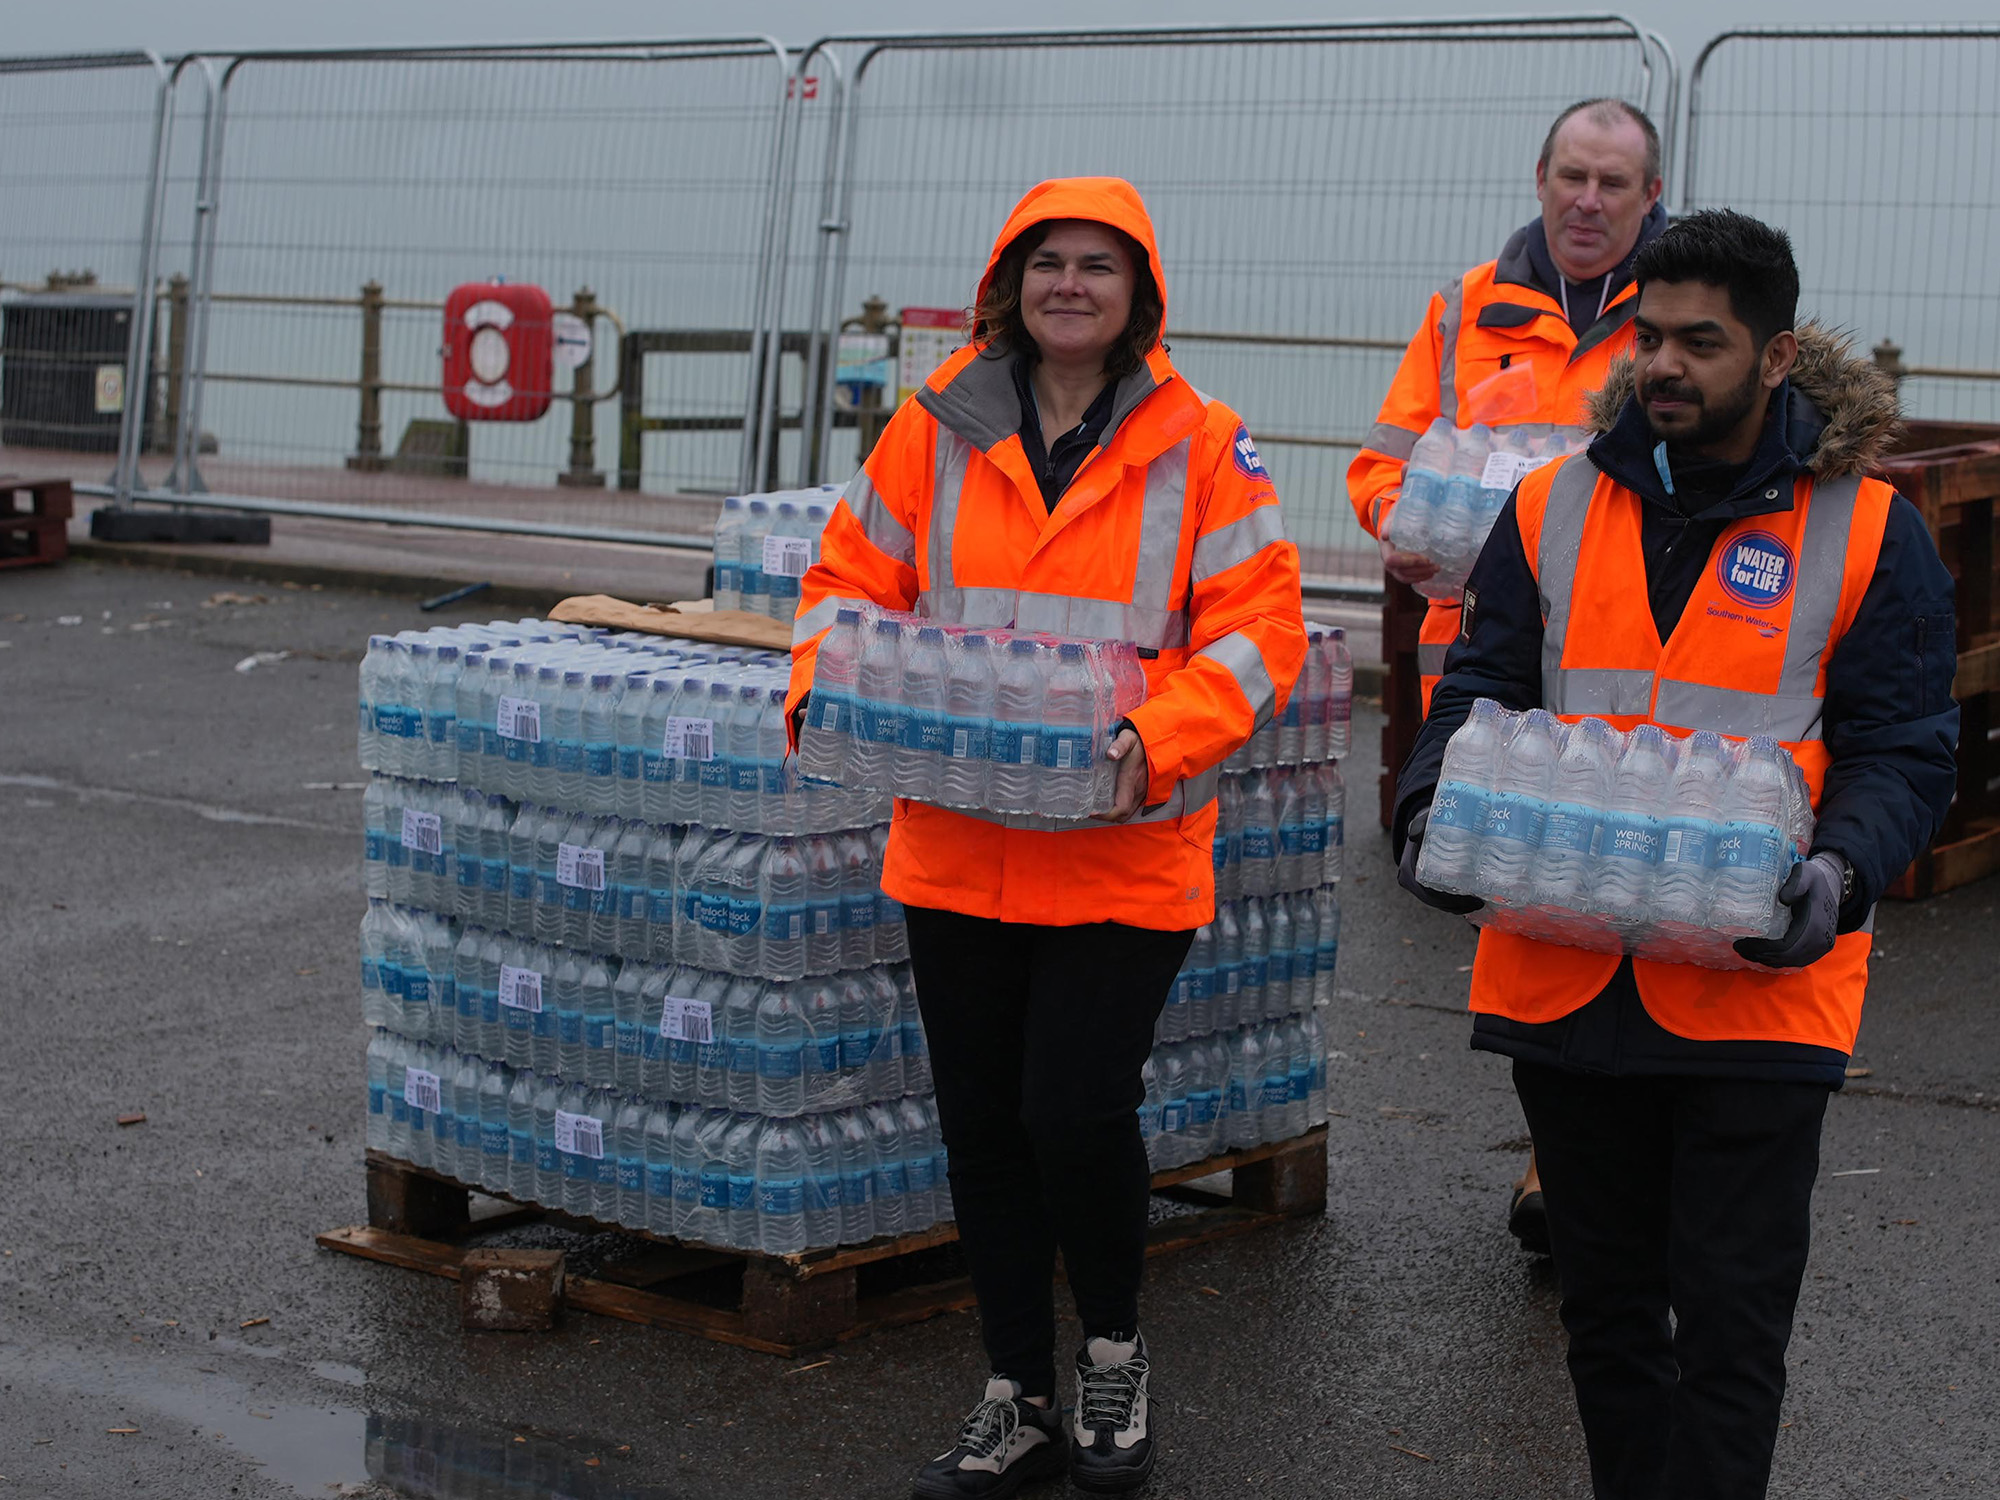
point(1889, 721)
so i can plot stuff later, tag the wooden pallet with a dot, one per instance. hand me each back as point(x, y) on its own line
point(34, 521)
point(1403, 610)
point(792, 1304)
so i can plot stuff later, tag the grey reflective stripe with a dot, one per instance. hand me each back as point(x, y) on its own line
point(1397, 442)
point(1188, 797)
point(1555, 564)
point(1245, 662)
point(1816, 593)
point(1160, 519)
point(1430, 658)
point(883, 528)
point(953, 453)
point(1239, 541)
point(821, 615)
point(1599, 691)
point(1694, 705)
point(1454, 307)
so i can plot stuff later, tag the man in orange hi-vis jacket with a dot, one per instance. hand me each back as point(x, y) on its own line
point(1057, 475)
point(1522, 339)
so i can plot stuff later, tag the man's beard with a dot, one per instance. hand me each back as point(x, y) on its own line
point(1714, 422)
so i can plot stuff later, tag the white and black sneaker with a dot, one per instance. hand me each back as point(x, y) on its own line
point(1111, 1442)
point(1004, 1443)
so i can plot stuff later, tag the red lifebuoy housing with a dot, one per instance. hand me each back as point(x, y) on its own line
point(499, 360)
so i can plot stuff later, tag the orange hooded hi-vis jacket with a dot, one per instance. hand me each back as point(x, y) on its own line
point(1169, 536)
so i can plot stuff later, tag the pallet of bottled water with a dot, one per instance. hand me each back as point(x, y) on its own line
point(1454, 485)
point(763, 546)
point(1635, 842)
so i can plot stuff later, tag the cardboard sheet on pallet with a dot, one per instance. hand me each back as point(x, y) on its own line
point(690, 619)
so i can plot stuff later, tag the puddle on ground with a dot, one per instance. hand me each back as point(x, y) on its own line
point(311, 1448)
point(436, 1461)
point(326, 1448)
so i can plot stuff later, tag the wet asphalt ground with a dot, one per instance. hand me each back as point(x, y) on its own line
point(179, 897)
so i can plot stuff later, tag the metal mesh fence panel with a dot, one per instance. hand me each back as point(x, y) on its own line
point(1310, 188)
point(1878, 150)
point(76, 180)
point(353, 192)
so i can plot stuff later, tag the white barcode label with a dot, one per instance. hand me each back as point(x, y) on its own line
point(580, 866)
point(521, 989)
point(580, 1135)
point(787, 556)
point(689, 739)
point(687, 1020)
point(421, 1090)
point(519, 719)
point(1502, 472)
point(423, 831)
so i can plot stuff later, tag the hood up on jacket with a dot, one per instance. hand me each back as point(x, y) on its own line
point(1845, 409)
point(1101, 200)
point(973, 392)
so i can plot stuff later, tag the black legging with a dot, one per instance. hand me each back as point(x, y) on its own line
point(1037, 1036)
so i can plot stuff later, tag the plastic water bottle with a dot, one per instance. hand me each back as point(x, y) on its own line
point(1578, 796)
point(919, 757)
point(830, 714)
point(1411, 521)
point(878, 711)
point(919, 1147)
point(661, 1123)
point(1315, 689)
point(1457, 517)
point(1511, 823)
point(782, 898)
point(1067, 736)
point(1260, 836)
point(1340, 700)
point(1750, 855)
point(891, 1169)
point(854, 1158)
point(1632, 833)
point(753, 590)
point(1693, 810)
point(729, 554)
point(1017, 715)
point(781, 1188)
point(784, 566)
point(1450, 855)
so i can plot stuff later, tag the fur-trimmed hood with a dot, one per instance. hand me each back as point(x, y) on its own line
point(1849, 399)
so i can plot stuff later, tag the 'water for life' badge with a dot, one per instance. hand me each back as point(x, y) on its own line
point(1756, 569)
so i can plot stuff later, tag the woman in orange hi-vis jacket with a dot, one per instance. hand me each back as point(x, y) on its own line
point(1058, 475)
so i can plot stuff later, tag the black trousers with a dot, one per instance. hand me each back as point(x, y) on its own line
point(1037, 1037)
point(1682, 1195)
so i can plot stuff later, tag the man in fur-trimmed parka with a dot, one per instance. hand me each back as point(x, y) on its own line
point(1720, 561)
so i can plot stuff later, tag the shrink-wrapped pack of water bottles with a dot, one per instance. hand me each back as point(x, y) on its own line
point(1454, 485)
point(763, 546)
point(1011, 722)
point(1637, 842)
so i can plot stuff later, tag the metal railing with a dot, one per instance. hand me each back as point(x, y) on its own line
point(1311, 186)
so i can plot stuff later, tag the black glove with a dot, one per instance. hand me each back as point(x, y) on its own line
point(1812, 891)
point(1406, 872)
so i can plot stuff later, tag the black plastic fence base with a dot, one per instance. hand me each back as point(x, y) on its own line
point(241, 527)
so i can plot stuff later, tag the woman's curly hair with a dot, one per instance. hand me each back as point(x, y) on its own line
point(997, 322)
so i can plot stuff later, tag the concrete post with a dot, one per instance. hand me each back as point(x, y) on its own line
point(583, 472)
point(368, 433)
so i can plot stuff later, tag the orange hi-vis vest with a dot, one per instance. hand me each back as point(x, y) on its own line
point(1475, 328)
point(1747, 657)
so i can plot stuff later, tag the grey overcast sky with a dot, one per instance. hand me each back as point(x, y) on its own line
point(175, 25)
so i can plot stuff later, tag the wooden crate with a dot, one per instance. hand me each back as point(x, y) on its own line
point(1951, 472)
point(34, 521)
point(790, 1304)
